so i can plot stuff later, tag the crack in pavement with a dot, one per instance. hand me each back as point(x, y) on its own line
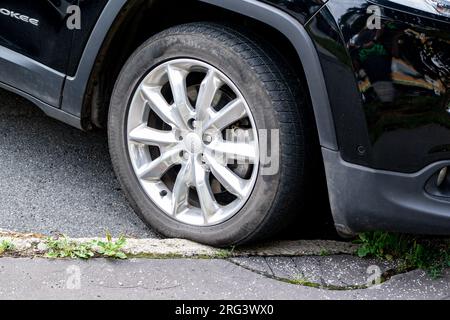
point(385, 278)
point(290, 281)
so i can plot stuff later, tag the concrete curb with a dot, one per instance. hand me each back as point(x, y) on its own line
point(29, 245)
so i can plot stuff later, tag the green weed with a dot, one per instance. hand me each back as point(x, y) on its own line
point(6, 246)
point(431, 255)
point(110, 248)
point(65, 248)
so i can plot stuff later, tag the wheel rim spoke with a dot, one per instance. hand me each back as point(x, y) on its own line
point(230, 181)
point(159, 105)
point(230, 114)
point(208, 204)
point(180, 192)
point(177, 80)
point(148, 136)
point(158, 167)
point(208, 89)
point(242, 152)
point(199, 143)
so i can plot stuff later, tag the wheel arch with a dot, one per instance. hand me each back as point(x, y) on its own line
point(79, 94)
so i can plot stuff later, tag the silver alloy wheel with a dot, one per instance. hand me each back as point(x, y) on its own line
point(193, 142)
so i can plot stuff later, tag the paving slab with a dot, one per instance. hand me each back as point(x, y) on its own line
point(183, 279)
point(336, 272)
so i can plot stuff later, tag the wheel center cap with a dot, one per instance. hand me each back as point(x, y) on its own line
point(193, 143)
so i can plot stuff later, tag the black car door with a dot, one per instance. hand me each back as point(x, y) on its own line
point(35, 44)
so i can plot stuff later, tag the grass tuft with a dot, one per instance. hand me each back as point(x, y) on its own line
point(413, 252)
point(110, 248)
point(6, 246)
point(64, 248)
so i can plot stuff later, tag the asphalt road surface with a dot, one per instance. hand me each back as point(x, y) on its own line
point(57, 179)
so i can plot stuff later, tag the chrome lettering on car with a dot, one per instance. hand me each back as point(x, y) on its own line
point(19, 16)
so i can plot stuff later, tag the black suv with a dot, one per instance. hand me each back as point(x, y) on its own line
point(223, 115)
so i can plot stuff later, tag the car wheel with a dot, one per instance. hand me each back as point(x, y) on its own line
point(207, 135)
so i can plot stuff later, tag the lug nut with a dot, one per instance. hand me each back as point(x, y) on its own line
point(184, 155)
point(204, 163)
point(207, 138)
point(192, 124)
point(442, 176)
